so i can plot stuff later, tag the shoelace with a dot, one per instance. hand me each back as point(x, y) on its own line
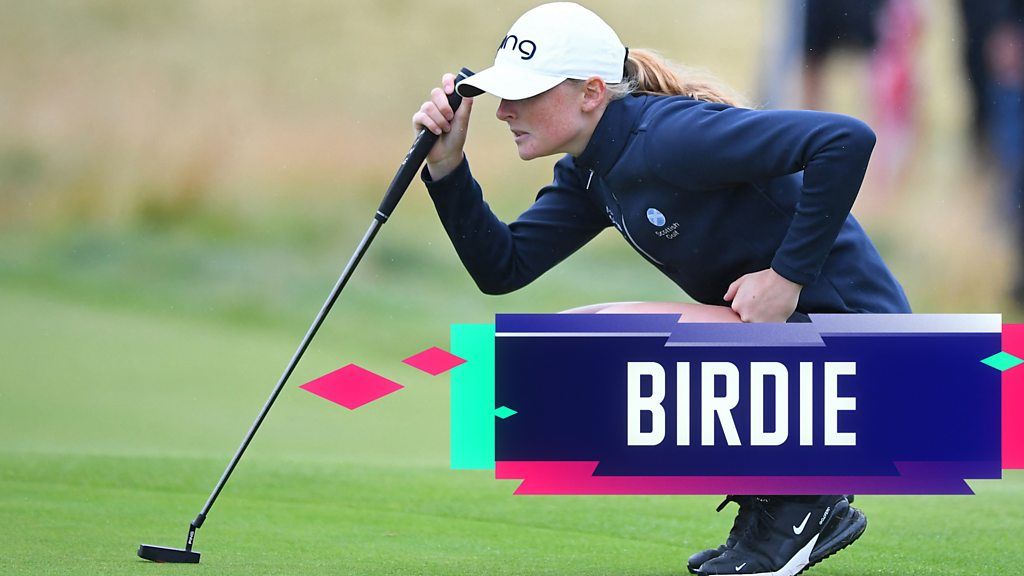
point(749, 505)
point(760, 529)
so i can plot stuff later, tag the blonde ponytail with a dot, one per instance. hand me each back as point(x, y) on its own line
point(647, 72)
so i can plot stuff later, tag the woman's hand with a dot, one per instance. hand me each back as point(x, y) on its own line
point(763, 297)
point(437, 116)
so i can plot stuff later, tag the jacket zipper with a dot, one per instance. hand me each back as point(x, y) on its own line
point(633, 242)
point(625, 229)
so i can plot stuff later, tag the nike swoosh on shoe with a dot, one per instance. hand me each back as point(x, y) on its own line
point(798, 530)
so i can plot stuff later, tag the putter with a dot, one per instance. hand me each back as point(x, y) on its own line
point(410, 166)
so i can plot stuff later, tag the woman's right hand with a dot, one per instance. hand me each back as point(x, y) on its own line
point(437, 116)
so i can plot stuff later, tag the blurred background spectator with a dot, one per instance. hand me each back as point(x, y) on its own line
point(994, 60)
point(883, 33)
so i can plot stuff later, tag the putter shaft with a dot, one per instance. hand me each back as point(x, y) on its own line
point(406, 172)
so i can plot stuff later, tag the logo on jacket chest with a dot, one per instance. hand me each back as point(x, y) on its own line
point(657, 219)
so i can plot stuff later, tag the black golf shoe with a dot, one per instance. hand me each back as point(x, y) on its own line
point(846, 526)
point(745, 518)
point(783, 539)
point(839, 531)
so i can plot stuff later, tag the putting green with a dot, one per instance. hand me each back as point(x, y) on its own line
point(69, 514)
point(115, 424)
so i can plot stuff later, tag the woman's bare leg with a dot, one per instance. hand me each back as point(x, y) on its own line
point(687, 312)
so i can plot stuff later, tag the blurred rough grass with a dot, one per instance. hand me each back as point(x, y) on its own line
point(224, 156)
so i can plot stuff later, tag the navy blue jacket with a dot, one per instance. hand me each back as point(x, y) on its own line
point(705, 192)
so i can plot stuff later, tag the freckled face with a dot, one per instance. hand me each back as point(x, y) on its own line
point(548, 123)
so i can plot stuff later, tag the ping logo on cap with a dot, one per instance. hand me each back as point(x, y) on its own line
point(525, 47)
point(577, 45)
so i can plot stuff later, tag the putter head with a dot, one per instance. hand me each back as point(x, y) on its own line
point(169, 555)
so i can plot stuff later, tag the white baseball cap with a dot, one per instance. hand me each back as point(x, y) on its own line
point(547, 45)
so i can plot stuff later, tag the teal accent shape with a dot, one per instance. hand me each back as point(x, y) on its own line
point(1002, 361)
point(504, 412)
point(472, 397)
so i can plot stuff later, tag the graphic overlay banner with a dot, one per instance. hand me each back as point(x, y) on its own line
point(642, 404)
point(1013, 398)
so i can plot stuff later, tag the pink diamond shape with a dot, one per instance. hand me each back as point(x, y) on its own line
point(434, 361)
point(351, 386)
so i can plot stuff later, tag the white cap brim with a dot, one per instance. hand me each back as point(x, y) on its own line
point(507, 82)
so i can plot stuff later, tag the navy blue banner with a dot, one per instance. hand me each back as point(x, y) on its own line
point(842, 396)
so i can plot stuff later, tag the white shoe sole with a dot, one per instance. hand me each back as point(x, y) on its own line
point(795, 565)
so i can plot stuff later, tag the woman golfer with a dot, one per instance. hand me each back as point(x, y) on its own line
point(741, 208)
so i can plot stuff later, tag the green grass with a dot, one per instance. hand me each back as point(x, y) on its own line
point(86, 514)
point(115, 423)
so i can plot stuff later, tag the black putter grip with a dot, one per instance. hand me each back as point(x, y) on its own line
point(414, 159)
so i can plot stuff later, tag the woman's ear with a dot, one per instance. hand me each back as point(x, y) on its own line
point(593, 94)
